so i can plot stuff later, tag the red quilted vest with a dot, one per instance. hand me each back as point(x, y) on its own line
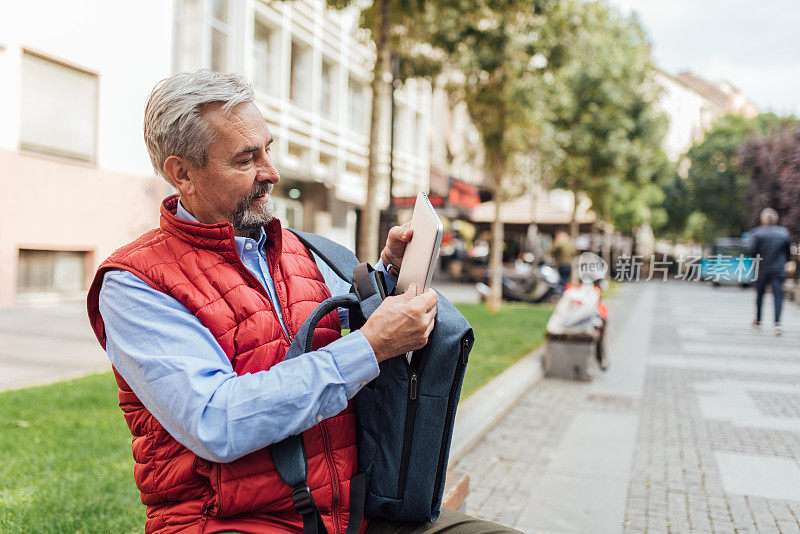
point(198, 265)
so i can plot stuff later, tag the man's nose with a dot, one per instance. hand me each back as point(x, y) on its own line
point(267, 171)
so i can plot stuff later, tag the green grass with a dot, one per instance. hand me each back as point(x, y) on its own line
point(65, 460)
point(65, 454)
point(501, 339)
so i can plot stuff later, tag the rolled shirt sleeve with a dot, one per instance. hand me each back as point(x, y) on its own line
point(183, 377)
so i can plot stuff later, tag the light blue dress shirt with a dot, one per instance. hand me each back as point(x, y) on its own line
point(182, 376)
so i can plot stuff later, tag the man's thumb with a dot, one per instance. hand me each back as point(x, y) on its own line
point(411, 291)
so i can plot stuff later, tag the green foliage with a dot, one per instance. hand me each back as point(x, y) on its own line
point(710, 202)
point(66, 460)
point(607, 131)
point(495, 54)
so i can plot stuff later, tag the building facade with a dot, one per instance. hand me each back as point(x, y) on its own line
point(311, 68)
point(75, 178)
point(692, 104)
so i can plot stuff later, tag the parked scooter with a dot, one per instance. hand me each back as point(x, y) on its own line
point(527, 282)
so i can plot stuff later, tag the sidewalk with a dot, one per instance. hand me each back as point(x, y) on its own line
point(695, 427)
point(43, 345)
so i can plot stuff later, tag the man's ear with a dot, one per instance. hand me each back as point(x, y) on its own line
point(179, 173)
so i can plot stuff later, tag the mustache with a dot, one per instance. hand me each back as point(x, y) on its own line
point(261, 189)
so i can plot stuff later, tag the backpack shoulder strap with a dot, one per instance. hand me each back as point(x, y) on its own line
point(290, 461)
point(338, 257)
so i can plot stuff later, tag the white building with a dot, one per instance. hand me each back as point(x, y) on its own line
point(311, 68)
point(692, 104)
point(75, 178)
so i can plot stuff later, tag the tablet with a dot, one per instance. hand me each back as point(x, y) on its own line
point(419, 258)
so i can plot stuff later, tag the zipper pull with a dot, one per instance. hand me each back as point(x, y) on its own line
point(412, 386)
point(465, 351)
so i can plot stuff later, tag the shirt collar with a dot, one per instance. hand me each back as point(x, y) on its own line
point(181, 213)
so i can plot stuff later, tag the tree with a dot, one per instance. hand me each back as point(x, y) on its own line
point(377, 18)
point(712, 197)
point(607, 130)
point(498, 52)
point(772, 163)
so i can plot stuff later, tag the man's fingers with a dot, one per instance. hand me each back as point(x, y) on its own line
point(411, 292)
point(430, 315)
point(429, 329)
point(401, 233)
point(428, 299)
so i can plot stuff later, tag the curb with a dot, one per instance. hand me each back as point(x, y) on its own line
point(481, 412)
point(63, 377)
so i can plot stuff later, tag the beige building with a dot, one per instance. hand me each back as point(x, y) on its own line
point(692, 104)
point(75, 177)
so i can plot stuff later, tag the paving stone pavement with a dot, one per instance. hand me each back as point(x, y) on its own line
point(715, 409)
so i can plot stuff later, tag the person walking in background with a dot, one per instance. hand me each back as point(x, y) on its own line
point(563, 252)
point(769, 244)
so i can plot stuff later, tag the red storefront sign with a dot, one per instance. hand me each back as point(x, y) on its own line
point(463, 195)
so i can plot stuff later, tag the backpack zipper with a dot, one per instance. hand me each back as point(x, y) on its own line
point(451, 403)
point(408, 432)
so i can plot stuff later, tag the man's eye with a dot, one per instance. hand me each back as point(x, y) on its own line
point(245, 162)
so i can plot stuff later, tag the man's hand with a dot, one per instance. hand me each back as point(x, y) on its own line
point(401, 323)
point(395, 248)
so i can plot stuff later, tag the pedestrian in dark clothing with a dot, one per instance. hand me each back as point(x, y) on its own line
point(769, 243)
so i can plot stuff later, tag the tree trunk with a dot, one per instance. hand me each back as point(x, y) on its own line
point(495, 300)
point(605, 251)
point(573, 223)
point(368, 237)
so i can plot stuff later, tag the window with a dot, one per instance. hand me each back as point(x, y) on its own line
point(262, 67)
point(50, 271)
point(327, 90)
point(358, 116)
point(220, 30)
point(300, 80)
point(59, 108)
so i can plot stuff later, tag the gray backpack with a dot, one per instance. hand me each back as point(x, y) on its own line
point(405, 416)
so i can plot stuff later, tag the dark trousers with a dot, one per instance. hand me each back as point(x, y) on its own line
point(774, 280)
point(565, 272)
point(449, 522)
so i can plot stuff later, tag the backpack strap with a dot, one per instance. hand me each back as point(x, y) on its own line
point(338, 257)
point(289, 455)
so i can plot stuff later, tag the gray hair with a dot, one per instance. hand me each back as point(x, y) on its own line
point(173, 120)
point(769, 216)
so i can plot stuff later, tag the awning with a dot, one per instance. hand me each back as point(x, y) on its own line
point(524, 210)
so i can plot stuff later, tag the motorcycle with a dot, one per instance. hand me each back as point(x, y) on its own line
point(526, 282)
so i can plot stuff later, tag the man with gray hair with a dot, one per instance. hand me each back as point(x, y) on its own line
point(197, 315)
point(770, 244)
